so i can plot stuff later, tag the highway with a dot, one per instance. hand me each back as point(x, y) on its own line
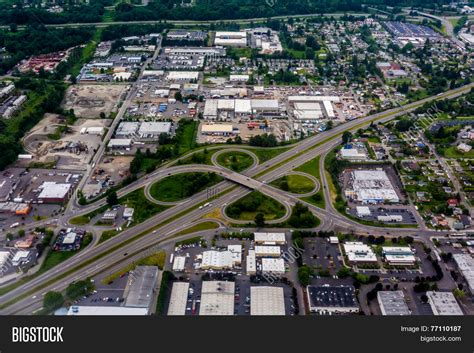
point(161, 226)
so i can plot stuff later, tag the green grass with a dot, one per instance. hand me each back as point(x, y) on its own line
point(312, 168)
point(199, 227)
point(107, 234)
point(236, 161)
point(248, 206)
point(297, 184)
point(453, 152)
point(267, 154)
point(87, 52)
point(158, 259)
point(187, 137)
point(181, 186)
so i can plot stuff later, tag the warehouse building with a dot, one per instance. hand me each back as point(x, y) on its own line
point(204, 51)
point(371, 186)
point(392, 303)
point(217, 260)
point(178, 299)
point(332, 300)
point(232, 108)
point(76, 310)
point(127, 129)
point(183, 76)
point(179, 263)
point(398, 256)
point(119, 143)
point(273, 266)
point(236, 251)
point(390, 218)
point(269, 238)
point(217, 298)
point(443, 303)
point(251, 261)
point(141, 285)
point(52, 192)
point(359, 253)
point(465, 264)
point(267, 251)
point(217, 129)
point(231, 39)
point(153, 129)
point(267, 301)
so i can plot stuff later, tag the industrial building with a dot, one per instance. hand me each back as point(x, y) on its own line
point(267, 251)
point(251, 261)
point(178, 299)
point(52, 192)
point(218, 129)
point(392, 303)
point(332, 300)
point(179, 263)
point(465, 264)
point(217, 298)
point(398, 256)
point(443, 303)
point(313, 107)
point(231, 39)
point(152, 130)
point(267, 301)
point(141, 285)
point(269, 238)
point(233, 108)
point(217, 260)
point(183, 76)
point(273, 266)
point(127, 129)
point(359, 253)
point(371, 186)
point(119, 143)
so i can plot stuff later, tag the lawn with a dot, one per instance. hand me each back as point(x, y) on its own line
point(312, 168)
point(181, 186)
point(297, 184)
point(248, 206)
point(453, 152)
point(157, 259)
point(267, 154)
point(199, 227)
point(236, 161)
point(186, 136)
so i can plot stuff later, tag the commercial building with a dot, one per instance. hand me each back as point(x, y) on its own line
point(269, 238)
point(178, 299)
point(251, 263)
point(273, 266)
point(127, 129)
point(217, 298)
point(266, 300)
point(363, 211)
point(371, 186)
point(232, 108)
point(267, 251)
point(443, 303)
point(359, 253)
point(231, 39)
point(153, 129)
point(179, 263)
point(76, 310)
point(217, 260)
point(69, 239)
point(183, 76)
point(236, 251)
point(393, 303)
point(353, 154)
point(329, 300)
point(217, 129)
point(465, 264)
point(141, 285)
point(398, 256)
point(93, 130)
point(20, 257)
point(390, 218)
point(119, 143)
point(52, 192)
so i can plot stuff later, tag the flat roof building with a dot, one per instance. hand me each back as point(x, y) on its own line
point(54, 192)
point(398, 255)
point(217, 129)
point(267, 301)
point(372, 186)
point(217, 298)
point(392, 303)
point(273, 266)
point(251, 263)
point(153, 129)
point(76, 310)
point(358, 252)
point(443, 303)
point(178, 299)
point(328, 300)
point(267, 251)
point(465, 264)
point(183, 76)
point(119, 143)
point(141, 285)
point(179, 263)
point(217, 260)
point(269, 238)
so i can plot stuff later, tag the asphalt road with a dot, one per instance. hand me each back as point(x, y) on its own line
point(302, 152)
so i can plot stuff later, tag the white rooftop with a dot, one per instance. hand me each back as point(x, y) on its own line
point(106, 311)
point(359, 252)
point(443, 303)
point(53, 190)
point(179, 298)
point(267, 301)
point(217, 298)
point(276, 266)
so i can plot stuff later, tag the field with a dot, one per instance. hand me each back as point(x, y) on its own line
point(312, 168)
point(236, 161)
point(297, 184)
point(199, 227)
point(267, 154)
point(453, 152)
point(248, 206)
point(181, 186)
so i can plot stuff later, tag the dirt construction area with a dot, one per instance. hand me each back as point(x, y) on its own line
point(69, 149)
point(88, 101)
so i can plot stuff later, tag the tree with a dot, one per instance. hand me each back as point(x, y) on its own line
point(259, 220)
point(178, 96)
point(112, 198)
point(21, 233)
point(304, 274)
point(102, 115)
point(346, 137)
point(52, 301)
point(79, 288)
